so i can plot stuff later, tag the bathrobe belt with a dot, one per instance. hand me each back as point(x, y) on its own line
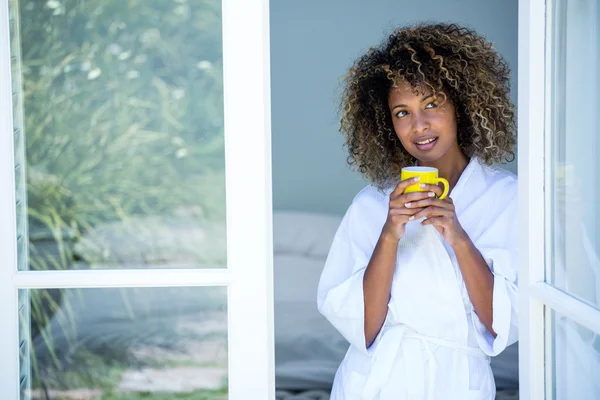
point(387, 350)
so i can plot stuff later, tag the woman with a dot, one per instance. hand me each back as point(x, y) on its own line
point(424, 289)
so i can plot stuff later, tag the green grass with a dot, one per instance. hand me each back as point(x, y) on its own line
point(88, 370)
point(196, 395)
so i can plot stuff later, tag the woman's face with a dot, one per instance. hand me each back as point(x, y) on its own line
point(426, 126)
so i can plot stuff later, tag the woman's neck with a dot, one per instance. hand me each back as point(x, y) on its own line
point(450, 166)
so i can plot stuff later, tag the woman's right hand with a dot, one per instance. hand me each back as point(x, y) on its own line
point(398, 214)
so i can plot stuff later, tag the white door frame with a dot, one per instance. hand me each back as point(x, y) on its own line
point(249, 280)
point(531, 196)
point(537, 297)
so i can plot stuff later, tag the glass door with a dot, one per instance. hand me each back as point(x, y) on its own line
point(135, 200)
point(559, 149)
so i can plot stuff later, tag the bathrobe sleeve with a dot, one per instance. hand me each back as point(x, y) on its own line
point(340, 293)
point(499, 251)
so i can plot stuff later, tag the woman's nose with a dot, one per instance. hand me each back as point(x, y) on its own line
point(421, 123)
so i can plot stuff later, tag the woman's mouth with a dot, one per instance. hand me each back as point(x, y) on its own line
point(426, 144)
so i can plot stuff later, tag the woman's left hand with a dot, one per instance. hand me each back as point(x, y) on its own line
point(441, 214)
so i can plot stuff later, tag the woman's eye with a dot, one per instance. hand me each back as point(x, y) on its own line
point(401, 114)
point(433, 104)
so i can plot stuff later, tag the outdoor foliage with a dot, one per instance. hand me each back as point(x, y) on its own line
point(123, 121)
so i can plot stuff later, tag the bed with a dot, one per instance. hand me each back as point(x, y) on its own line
point(308, 349)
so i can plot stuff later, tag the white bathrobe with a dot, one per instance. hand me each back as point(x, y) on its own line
point(432, 344)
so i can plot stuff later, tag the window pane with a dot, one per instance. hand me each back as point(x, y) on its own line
point(136, 343)
point(19, 144)
point(574, 89)
point(118, 115)
point(24, 343)
point(576, 352)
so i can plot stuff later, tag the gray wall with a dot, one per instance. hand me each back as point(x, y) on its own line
point(313, 42)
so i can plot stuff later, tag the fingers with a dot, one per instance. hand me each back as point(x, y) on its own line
point(432, 212)
point(437, 221)
point(399, 219)
point(404, 211)
point(401, 187)
point(402, 199)
point(432, 188)
point(428, 202)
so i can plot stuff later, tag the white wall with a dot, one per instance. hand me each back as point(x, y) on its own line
point(313, 42)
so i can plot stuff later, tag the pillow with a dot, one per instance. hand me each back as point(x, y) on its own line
point(310, 234)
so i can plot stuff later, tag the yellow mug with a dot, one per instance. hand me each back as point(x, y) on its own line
point(427, 175)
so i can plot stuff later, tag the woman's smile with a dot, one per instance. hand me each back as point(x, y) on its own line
point(426, 144)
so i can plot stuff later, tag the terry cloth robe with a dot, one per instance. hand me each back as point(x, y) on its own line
point(432, 344)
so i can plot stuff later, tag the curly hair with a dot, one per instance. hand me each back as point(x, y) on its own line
point(446, 59)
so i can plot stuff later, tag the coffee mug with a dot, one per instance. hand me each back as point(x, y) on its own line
point(427, 174)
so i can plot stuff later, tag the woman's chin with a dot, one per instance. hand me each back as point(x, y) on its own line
point(436, 154)
point(427, 157)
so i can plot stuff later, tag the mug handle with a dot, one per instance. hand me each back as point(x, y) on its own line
point(446, 187)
